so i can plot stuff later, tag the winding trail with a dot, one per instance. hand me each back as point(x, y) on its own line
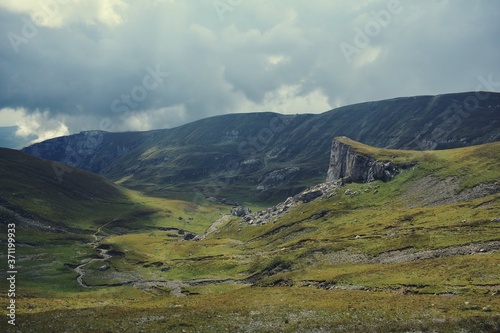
point(102, 252)
point(216, 224)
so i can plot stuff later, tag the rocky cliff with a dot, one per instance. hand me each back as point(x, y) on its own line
point(88, 150)
point(353, 166)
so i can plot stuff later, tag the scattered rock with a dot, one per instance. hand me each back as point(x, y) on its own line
point(497, 219)
point(309, 195)
point(433, 191)
point(104, 268)
point(189, 236)
point(276, 178)
point(486, 309)
point(167, 268)
point(320, 191)
point(240, 211)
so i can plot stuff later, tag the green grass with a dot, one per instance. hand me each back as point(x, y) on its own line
point(300, 278)
point(260, 310)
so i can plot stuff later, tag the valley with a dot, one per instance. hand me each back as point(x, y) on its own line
point(416, 252)
point(249, 166)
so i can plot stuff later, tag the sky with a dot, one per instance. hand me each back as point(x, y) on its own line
point(126, 65)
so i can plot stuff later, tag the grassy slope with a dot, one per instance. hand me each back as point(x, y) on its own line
point(67, 197)
point(306, 248)
point(67, 210)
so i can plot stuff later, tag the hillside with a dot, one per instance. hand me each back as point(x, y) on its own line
point(53, 192)
point(416, 252)
point(61, 212)
point(266, 157)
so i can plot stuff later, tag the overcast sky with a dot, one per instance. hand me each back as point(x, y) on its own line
point(116, 65)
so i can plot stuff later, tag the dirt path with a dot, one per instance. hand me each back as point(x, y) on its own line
point(102, 252)
point(213, 228)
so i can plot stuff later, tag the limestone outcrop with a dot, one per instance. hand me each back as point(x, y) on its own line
point(352, 166)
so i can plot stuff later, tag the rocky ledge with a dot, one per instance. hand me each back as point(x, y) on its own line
point(351, 166)
point(346, 166)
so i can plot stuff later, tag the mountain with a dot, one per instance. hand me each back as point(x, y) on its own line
point(265, 156)
point(53, 194)
point(393, 241)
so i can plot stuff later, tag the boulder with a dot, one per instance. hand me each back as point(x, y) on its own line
point(309, 195)
point(240, 211)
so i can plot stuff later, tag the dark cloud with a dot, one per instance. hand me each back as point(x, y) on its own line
point(94, 66)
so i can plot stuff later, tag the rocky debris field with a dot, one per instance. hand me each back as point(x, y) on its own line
point(272, 214)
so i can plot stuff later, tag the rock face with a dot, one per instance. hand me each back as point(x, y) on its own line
point(347, 164)
point(88, 150)
point(272, 214)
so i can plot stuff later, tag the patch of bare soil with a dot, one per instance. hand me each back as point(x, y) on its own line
point(406, 255)
point(432, 191)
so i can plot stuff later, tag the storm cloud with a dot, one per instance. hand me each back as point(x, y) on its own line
point(118, 65)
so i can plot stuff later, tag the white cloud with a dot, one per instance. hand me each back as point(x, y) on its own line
point(276, 59)
point(57, 13)
point(10, 116)
point(41, 125)
point(281, 56)
point(152, 119)
point(288, 99)
point(366, 56)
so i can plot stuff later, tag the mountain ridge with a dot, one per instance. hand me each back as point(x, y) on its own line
point(268, 156)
